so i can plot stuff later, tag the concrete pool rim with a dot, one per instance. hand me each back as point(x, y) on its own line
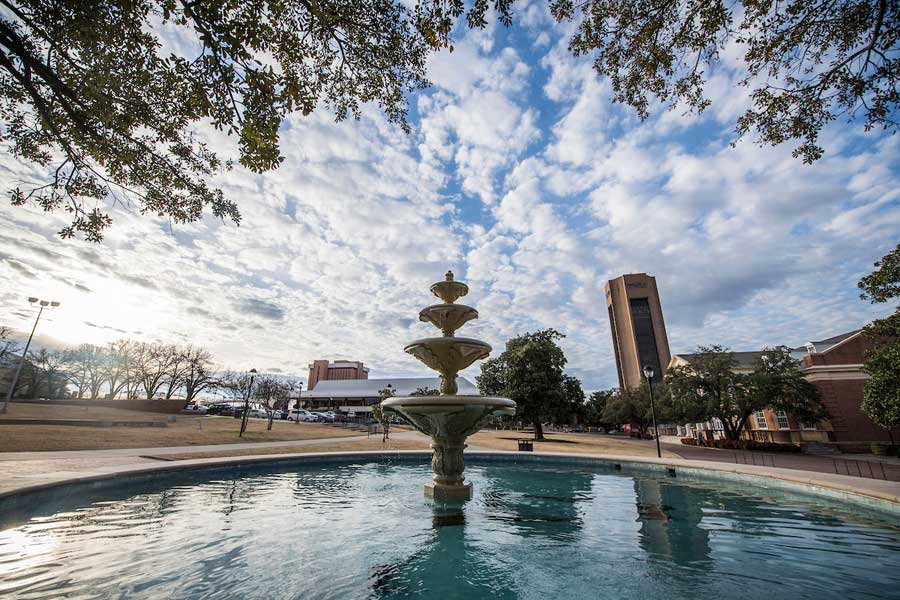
point(874, 494)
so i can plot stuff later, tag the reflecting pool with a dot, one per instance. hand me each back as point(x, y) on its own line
point(363, 530)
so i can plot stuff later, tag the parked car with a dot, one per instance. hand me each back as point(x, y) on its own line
point(324, 417)
point(298, 414)
point(220, 409)
point(259, 413)
point(201, 409)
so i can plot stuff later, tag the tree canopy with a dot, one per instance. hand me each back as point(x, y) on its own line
point(89, 93)
point(97, 96)
point(530, 372)
point(881, 395)
point(805, 62)
point(632, 406)
point(710, 387)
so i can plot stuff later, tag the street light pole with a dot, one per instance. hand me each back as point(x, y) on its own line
point(648, 373)
point(297, 403)
point(15, 381)
point(247, 403)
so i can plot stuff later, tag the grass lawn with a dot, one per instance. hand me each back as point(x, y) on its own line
point(185, 431)
point(575, 443)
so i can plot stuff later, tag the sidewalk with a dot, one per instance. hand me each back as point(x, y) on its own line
point(860, 465)
point(21, 469)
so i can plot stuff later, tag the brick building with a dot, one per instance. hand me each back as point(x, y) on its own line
point(834, 365)
point(339, 370)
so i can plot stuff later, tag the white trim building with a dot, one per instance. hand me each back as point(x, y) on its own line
point(358, 395)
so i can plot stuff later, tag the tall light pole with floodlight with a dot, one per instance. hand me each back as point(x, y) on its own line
point(15, 381)
point(247, 403)
point(648, 373)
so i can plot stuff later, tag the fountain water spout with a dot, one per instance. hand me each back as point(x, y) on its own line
point(448, 418)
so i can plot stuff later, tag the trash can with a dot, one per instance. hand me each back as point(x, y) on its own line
point(526, 445)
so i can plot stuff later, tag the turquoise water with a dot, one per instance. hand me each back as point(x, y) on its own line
point(365, 531)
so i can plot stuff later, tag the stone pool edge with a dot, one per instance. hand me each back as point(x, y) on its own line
point(871, 493)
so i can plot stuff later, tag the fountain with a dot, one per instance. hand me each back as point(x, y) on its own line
point(448, 418)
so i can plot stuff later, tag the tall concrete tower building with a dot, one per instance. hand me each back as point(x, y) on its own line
point(638, 330)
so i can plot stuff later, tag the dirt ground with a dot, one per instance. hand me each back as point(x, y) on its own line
point(577, 443)
point(185, 431)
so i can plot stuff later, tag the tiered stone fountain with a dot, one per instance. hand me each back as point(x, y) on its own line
point(448, 418)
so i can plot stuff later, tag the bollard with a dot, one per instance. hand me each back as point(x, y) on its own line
point(201, 424)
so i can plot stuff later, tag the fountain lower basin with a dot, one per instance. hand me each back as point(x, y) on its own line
point(448, 420)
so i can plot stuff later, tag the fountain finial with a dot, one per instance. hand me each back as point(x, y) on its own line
point(448, 276)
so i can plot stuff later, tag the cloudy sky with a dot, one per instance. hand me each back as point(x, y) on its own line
point(522, 177)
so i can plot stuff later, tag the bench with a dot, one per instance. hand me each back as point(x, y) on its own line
point(526, 445)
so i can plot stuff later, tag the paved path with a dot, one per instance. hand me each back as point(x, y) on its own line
point(161, 451)
point(19, 469)
point(868, 466)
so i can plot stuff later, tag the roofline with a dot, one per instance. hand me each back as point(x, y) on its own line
point(833, 346)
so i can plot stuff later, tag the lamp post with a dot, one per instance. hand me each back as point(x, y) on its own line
point(15, 381)
point(648, 373)
point(247, 403)
point(297, 403)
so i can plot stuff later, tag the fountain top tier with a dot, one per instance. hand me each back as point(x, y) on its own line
point(448, 354)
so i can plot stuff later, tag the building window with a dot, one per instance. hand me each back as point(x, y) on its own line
point(782, 419)
point(645, 337)
point(807, 426)
point(761, 422)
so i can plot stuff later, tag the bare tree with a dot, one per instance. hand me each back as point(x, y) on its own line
point(84, 367)
point(151, 367)
point(9, 348)
point(199, 374)
point(118, 367)
point(47, 366)
point(176, 366)
point(235, 385)
point(272, 393)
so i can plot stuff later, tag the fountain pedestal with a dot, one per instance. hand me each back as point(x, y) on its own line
point(449, 420)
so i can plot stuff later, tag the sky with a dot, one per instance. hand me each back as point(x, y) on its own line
point(522, 177)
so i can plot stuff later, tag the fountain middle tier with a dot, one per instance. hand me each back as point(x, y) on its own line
point(448, 356)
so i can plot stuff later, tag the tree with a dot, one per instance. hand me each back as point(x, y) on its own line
point(48, 367)
point(9, 348)
point(632, 406)
point(88, 97)
point(235, 385)
point(424, 391)
point(84, 367)
point(709, 388)
point(273, 394)
point(199, 374)
point(530, 372)
point(118, 369)
point(151, 363)
point(177, 363)
point(807, 62)
point(881, 394)
point(381, 416)
point(595, 407)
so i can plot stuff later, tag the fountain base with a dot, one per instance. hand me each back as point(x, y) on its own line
point(448, 420)
point(448, 492)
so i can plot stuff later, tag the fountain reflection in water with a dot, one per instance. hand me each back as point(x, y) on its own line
point(449, 418)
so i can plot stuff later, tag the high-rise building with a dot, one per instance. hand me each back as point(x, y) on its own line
point(638, 330)
point(323, 370)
